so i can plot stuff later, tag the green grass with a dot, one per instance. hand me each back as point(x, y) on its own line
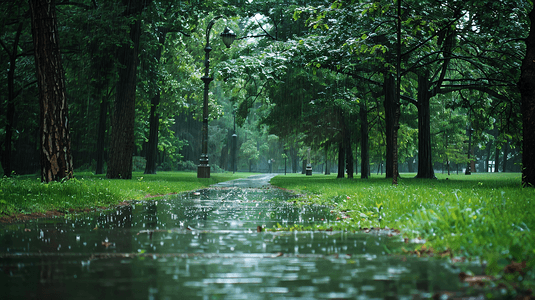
point(26, 194)
point(489, 216)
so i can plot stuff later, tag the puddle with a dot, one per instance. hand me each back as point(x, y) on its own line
point(205, 245)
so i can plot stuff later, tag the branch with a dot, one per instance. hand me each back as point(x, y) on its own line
point(353, 75)
point(431, 37)
point(409, 99)
point(5, 47)
point(67, 2)
point(25, 86)
point(448, 44)
point(165, 30)
point(256, 36)
point(485, 89)
point(482, 79)
point(258, 95)
point(267, 33)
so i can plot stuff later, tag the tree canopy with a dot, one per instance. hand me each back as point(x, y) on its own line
point(334, 76)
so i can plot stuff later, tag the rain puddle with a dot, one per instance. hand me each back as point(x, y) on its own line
point(208, 245)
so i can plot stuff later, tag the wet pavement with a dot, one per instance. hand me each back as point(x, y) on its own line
point(211, 244)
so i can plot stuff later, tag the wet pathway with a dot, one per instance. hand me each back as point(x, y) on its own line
point(208, 245)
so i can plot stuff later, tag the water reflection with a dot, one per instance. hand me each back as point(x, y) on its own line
point(205, 245)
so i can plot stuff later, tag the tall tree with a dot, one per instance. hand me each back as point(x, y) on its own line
point(152, 146)
point(11, 94)
point(527, 89)
point(364, 140)
point(56, 159)
point(122, 143)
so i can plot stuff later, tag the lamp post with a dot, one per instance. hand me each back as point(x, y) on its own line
point(203, 170)
point(234, 146)
point(309, 165)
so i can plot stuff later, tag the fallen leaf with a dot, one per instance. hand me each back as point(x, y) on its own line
point(259, 229)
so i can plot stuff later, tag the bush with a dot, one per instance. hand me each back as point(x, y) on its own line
point(216, 169)
point(138, 163)
point(167, 166)
point(187, 165)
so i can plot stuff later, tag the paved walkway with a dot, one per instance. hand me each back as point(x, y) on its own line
point(255, 181)
point(211, 244)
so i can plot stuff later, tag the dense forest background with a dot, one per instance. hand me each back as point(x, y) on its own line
point(363, 86)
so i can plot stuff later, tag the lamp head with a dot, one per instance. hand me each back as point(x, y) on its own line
point(228, 37)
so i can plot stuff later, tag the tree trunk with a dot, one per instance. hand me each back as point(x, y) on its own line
point(154, 118)
point(487, 162)
point(349, 162)
point(356, 158)
point(341, 160)
point(496, 153)
point(425, 160)
point(389, 104)
point(10, 109)
point(349, 153)
point(293, 157)
point(327, 167)
point(397, 98)
point(342, 144)
point(527, 89)
point(56, 159)
point(505, 154)
point(122, 143)
point(364, 141)
point(101, 135)
point(152, 145)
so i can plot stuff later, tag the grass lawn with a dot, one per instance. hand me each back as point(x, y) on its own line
point(26, 194)
point(488, 216)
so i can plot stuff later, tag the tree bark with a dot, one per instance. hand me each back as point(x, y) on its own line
point(341, 160)
point(101, 135)
point(364, 141)
point(349, 152)
point(122, 143)
point(294, 158)
point(487, 162)
point(496, 153)
point(327, 167)
point(342, 144)
point(10, 109)
point(505, 154)
point(425, 160)
point(527, 89)
point(56, 159)
point(154, 118)
point(390, 108)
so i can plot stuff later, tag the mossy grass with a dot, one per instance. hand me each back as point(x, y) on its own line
point(487, 216)
point(26, 194)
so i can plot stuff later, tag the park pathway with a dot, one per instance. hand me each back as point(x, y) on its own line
point(210, 244)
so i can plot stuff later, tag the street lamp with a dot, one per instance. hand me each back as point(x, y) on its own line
point(203, 170)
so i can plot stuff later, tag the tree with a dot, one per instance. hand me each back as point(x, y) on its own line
point(527, 89)
point(154, 124)
point(56, 159)
point(11, 95)
point(122, 143)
